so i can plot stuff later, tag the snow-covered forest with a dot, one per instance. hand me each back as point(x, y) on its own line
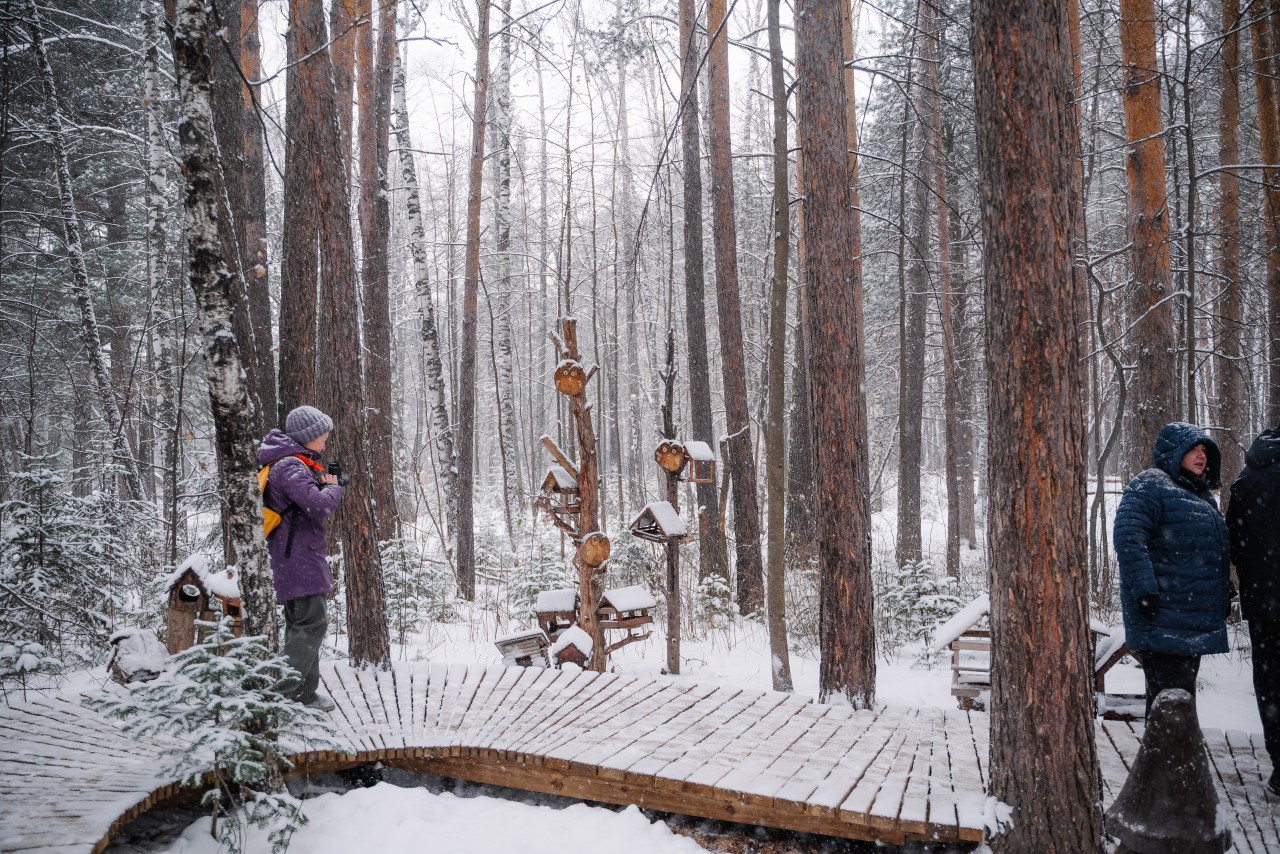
point(519, 250)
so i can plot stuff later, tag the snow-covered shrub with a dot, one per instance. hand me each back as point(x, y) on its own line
point(632, 562)
point(416, 590)
point(914, 602)
point(71, 567)
point(801, 587)
point(713, 605)
point(26, 666)
point(544, 570)
point(219, 699)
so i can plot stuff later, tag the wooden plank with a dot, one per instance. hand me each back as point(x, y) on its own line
point(1271, 801)
point(1228, 780)
point(878, 787)
point(850, 727)
point(802, 765)
point(437, 687)
point(942, 819)
point(1111, 763)
point(667, 732)
point(475, 708)
point(521, 691)
point(702, 724)
point(624, 726)
point(605, 698)
point(567, 698)
point(853, 764)
point(1253, 788)
point(771, 762)
point(520, 710)
point(482, 714)
point(716, 766)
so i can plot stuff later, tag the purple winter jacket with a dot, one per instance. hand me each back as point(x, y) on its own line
point(292, 491)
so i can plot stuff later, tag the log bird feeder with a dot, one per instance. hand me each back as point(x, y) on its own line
point(595, 548)
point(670, 456)
point(570, 377)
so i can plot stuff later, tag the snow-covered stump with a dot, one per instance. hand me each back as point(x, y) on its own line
point(1169, 803)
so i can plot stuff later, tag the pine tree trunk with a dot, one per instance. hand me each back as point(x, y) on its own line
point(253, 219)
point(437, 404)
point(1043, 753)
point(1153, 388)
point(344, 15)
point(742, 466)
point(1263, 40)
point(376, 71)
point(1230, 404)
point(90, 335)
point(836, 372)
point(466, 387)
point(775, 427)
point(913, 302)
point(216, 293)
point(711, 540)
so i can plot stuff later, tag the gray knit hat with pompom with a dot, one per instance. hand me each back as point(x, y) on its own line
point(306, 423)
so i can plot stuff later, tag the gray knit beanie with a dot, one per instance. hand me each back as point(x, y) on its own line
point(307, 423)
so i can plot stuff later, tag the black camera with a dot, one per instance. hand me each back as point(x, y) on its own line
point(335, 469)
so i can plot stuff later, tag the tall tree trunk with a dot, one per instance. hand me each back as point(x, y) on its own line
point(1230, 380)
point(466, 388)
point(836, 371)
point(711, 541)
point(776, 428)
point(913, 304)
point(253, 219)
point(1043, 753)
point(216, 294)
point(1153, 388)
point(90, 335)
point(437, 404)
point(742, 466)
point(376, 71)
point(340, 361)
point(1264, 43)
point(345, 16)
point(303, 171)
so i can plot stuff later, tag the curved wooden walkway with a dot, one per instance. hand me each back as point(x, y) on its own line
point(69, 779)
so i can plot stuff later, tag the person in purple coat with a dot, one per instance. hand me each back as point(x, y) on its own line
point(304, 494)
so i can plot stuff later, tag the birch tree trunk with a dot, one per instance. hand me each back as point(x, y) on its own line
point(775, 428)
point(1043, 751)
point(742, 466)
point(836, 373)
point(711, 540)
point(216, 293)
point(1153, 388)
point(466, 388)
point(376, 71)
point(437, 404)
point(73, 239)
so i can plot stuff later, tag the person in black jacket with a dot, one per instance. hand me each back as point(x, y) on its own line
point(1175, 568)
point(1253, 517)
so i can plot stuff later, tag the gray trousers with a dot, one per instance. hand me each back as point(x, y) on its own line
point(305, 622)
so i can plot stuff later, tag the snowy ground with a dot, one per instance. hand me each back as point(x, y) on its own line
point(398, 818)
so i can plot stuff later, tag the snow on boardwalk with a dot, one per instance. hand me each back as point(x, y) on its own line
point(69, 779)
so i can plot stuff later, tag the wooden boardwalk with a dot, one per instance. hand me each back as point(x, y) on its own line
point(69, 778)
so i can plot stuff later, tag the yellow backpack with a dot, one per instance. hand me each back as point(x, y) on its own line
point(270, 518)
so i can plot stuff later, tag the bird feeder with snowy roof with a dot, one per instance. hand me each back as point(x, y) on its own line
point(526, 648)
point(702, 462)
point(188, 602)
point(572, 647)
point(659, 522)
point(626, 608)
point(670, 456)
point(560, 491)
point(556, 610)
point(570, 377)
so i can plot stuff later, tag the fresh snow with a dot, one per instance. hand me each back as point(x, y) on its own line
point(561, 599)
point(960, 623)
point(699, 451)
point(666, 516)
point(632, 598)
point(573, 636)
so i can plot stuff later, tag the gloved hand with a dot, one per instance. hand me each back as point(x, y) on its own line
point(1148, 605)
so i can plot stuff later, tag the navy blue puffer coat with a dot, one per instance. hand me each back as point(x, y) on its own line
point(1172, 542)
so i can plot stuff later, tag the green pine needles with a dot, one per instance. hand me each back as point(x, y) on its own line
point(234, 731)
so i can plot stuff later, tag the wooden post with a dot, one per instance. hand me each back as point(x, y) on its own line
point(589, 498)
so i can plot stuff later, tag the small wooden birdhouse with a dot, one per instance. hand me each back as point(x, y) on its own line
point(561, 490)
point(658, 522)
point(526, 648)
point(556, 610)
point(572, 647)
point(702, 462)
point(570, 377)
point(626, 608)
point(188, 602)
point(670, 456)
point(595, 548)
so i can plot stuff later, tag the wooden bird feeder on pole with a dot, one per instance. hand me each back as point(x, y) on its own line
point(659, 522)
point(556, 610)
point(670, 456)
point(188, 602)
point(595, 548)
point(702, 462)
point(570, 377)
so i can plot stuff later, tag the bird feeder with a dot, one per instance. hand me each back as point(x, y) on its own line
point(570, 378)
point(556, 610)
point(702, 462)
point(595, 549)
point(560, 489)
point(658, 522)
point(626, 608)
point(524, 648)
point(670, 456)
point(188, 602)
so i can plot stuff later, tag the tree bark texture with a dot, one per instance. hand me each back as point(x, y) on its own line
point(1229, 311)
point(1043, 753)
point(1153, 388)
point(746, 509)
point(913, 306)
point(215, 288)
point(73, 237)
point(340, 388)
point(376, 70)
point(836, 371)
point(1263, 41)
point(466, 387)
point(776, 428)
point(437, 403)
point(711, 540)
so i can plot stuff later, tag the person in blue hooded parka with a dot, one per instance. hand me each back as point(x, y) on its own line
point(1175, 566)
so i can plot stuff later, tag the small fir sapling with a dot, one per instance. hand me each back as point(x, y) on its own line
point(714, 608)
point(25, 663)
point(914, 603)
point(234, 730)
